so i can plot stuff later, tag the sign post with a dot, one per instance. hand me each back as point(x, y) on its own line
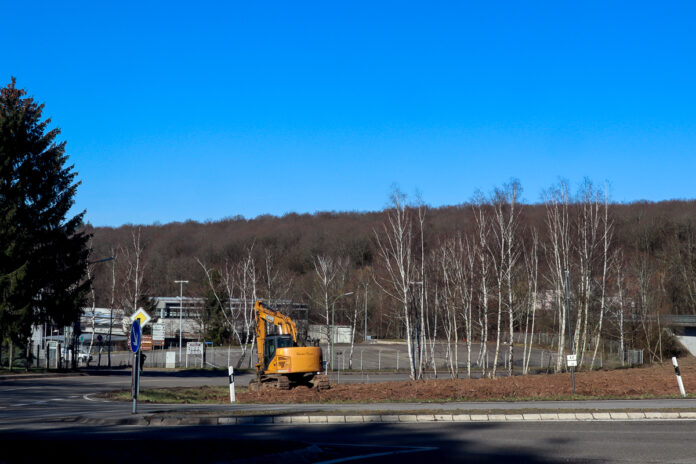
point(570, 335)
point(135, 340)
point(231, 373)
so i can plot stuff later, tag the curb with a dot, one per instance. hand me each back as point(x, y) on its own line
point(164, 421)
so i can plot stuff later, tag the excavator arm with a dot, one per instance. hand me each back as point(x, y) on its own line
point(267, 316)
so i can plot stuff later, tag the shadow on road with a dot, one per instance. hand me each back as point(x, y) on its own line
point(376, 443)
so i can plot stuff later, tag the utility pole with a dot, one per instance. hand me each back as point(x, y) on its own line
point(333, 326)
point(181, 308)
point(366, 285)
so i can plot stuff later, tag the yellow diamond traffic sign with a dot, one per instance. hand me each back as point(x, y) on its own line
point(141, 316)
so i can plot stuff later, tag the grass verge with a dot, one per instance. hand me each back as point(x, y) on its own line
point(220, 395)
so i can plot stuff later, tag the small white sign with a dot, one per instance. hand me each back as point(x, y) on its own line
point(195, 348)
point(572, 360)
point(158, 331)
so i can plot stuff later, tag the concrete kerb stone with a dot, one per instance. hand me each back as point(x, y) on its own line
point(166, 421)
point(282, 420)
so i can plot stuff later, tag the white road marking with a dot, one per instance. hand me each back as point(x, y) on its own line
point(401, 450)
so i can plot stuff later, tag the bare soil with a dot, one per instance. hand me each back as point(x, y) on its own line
point(651, 381)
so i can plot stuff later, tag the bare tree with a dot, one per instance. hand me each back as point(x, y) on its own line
point(607, 234)
point(448, 259)
point(277, 282)
point(422, 332)
point(506, 220)
point(329, 278)
point(558, 225)
point(395, 248)
point(112, 303)
point(531, 260)
point(482, 237)
point(134, 265)
point(234, 288)
point(588, 242)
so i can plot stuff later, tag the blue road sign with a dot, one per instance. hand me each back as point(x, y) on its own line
point(135, 336)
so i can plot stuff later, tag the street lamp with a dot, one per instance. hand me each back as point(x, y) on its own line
point(111, 320)
point(181, 308)
point(333, 325)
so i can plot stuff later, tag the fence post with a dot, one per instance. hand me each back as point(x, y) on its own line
point(379, 360)
point(397, 360)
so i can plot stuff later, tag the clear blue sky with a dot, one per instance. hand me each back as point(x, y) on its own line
point(204, 110)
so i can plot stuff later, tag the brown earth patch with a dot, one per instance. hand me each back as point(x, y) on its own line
point(657, 380)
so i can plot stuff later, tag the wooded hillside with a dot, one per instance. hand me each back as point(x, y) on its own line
point(479, 270)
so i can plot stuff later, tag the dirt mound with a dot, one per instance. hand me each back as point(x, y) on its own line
point(656, 380)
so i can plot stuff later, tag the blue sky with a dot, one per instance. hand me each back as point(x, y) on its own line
point(204, 110)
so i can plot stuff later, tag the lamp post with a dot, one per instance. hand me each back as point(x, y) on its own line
point(111, 319)
point(416, 335)
point(181, 309)
point(333, 325)
point(365, 327)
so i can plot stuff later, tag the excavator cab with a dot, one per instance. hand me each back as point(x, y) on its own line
point(272, 343)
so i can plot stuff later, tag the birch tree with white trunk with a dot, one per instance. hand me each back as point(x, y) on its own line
point(395, 249)
point(557, 203)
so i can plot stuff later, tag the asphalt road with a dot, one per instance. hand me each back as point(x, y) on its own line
point(568, 442)
point(34, 411)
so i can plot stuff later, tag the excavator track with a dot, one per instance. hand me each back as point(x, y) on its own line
point(283, 383)
point(255, 385)
point(321, 382)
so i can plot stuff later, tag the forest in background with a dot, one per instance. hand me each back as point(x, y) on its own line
point(491, 269)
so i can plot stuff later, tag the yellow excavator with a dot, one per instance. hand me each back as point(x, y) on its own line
point(283, 364)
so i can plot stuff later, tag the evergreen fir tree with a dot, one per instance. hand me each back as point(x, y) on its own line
point(43, 254)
